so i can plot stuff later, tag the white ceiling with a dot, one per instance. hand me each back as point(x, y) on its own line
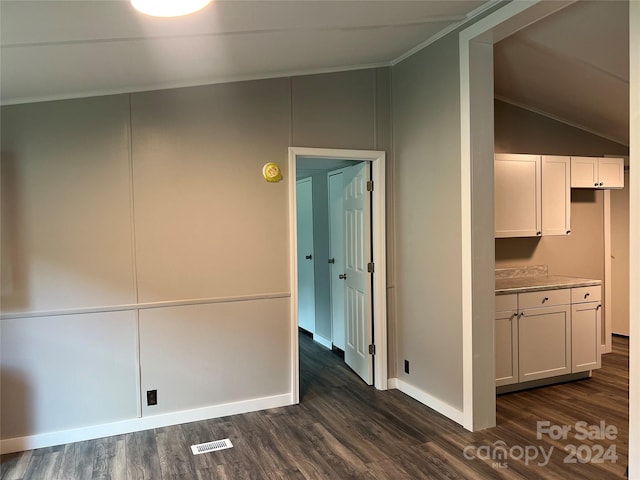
point(56, 49)
point(572, 66)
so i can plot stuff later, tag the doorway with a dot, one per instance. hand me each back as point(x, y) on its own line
point(323, 160)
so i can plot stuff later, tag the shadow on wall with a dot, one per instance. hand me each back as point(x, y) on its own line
point(517, 248)
point(13, 282)
point(583, 195)
point(15, 391)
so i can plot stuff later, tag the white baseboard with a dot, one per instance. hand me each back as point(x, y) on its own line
point(50, 439)
point(430, 401)
point(322, 341)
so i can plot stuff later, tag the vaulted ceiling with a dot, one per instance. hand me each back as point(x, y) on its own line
point(572, 66)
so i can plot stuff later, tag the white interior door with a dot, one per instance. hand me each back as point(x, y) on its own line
point(336, 256)
point(357, 230)
point(306, 282)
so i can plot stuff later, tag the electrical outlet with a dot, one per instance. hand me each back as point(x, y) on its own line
point(406, 366)
point(152, 397)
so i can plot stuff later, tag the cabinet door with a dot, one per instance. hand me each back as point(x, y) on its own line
point(611, 173)
point(584, 172)
point(585, 336)
point(506, 348)
point(544, 342)
point(517, 195)
point(556, 195)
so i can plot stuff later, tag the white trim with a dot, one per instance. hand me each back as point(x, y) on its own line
point(322, 341)
point(491, 29)
point(430, 401)
point(634, 240)
point(293, 278)
point(144, 423)
point(379, 256)
point(143, 306)
point(608, 298)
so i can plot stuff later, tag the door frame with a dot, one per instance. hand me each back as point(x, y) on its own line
point(477, 209)
point(378, 248)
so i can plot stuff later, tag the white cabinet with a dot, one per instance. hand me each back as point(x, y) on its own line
point(506, 339)
point(532, 195)
point(518, 208)
point(597, 172)
point(544, 338)
point(585, 326)
point(547, 333)
point(556, 195)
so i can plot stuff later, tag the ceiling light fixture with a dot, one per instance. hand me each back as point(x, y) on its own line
point(169, 8)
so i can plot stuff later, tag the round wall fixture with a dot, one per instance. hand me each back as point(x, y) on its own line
point(169, 8)
point(271, 172)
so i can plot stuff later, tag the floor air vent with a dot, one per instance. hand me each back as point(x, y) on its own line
point(211, 446)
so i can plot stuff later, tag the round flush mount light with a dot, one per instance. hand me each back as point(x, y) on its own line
point(169, 8)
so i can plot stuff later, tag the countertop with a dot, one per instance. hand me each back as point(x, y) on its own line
point(541, 282)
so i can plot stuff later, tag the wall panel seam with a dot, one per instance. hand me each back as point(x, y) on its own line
point(146, 305)
point(375, 109)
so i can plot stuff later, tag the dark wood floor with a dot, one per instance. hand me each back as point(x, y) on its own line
point(343, 429)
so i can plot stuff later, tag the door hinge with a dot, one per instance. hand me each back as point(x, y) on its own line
point(372, 349)
point(370, 267)
point(370, 186)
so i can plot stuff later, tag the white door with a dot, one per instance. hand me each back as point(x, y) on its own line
point(357, 230)
point(336, 256)
point(306, 283)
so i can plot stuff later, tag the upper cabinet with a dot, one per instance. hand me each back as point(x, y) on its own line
point(600, 172)
point(517, 195)
point(532, 195)
point(556, 195)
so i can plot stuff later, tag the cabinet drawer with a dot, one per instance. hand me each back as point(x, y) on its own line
point(586, 294)
point(506, 302)
point(544, 298)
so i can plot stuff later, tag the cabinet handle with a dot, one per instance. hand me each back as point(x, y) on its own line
point(595, 184)
point(545, 299)
point(586, 295)
point(538, 233)
point(599, 306)
point(332, 260)
point(308, 257)
point(342, 276)
point(568, 232)
point(601, 184)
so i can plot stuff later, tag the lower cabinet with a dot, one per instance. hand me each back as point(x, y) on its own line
point(585, 337)
point(544, 341)
point(546, 334)
point(506, 348)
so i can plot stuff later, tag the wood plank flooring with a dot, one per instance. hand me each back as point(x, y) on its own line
point(343, 429)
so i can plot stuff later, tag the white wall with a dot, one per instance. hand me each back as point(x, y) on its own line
point(133, 225)
point(66, 207)
point(426, 112)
